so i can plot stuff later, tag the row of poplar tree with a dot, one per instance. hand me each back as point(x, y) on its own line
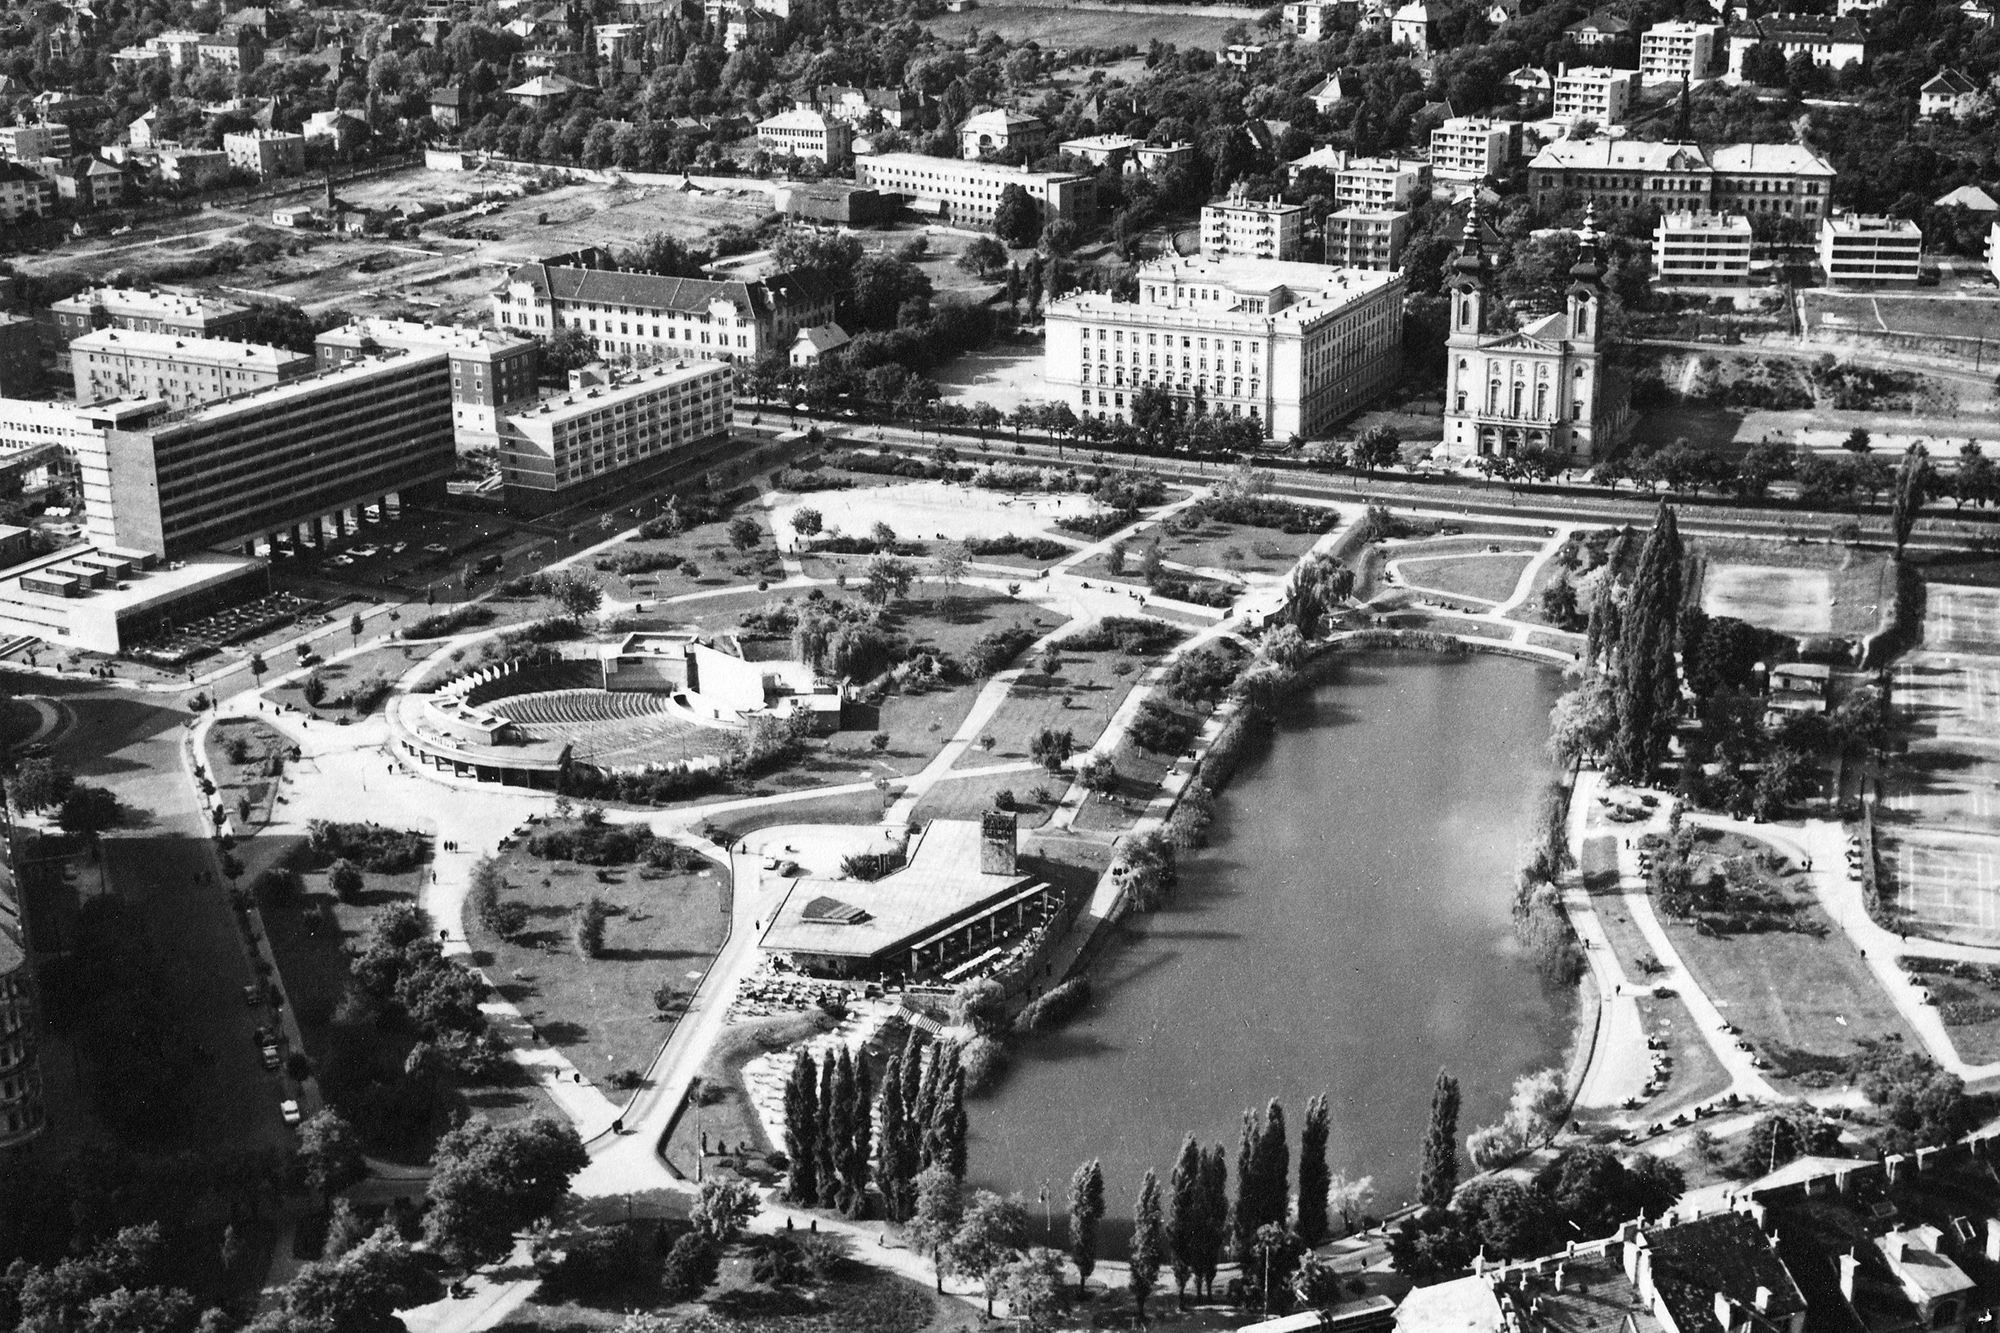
point(830, 1138)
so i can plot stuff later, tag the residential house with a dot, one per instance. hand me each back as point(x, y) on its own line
point(1832, 42)
point(1598, 30)
point(1947, 93)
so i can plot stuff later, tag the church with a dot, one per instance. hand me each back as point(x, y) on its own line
point(1543, 384)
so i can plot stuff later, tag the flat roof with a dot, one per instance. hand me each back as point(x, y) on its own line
point(140, 300)
point(595, 398)
point(861, 918)
point(962, 167)
point(411, 333)
point(181, 347)
point(145, 588)
point(264, 396)
point(1855, 224)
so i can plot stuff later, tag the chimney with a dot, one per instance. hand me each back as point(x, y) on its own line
point(1561, 1274)
point(1993, 1240)
point(1849, 1266)
point(1763, 1300)
point(1725, 1312)
point(998, 842)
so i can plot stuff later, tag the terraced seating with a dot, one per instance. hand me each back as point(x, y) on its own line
point(538, 679)
point(575, 706)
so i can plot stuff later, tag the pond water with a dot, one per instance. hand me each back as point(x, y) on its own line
point(1348, 932)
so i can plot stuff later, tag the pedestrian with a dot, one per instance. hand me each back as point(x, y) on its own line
point(815, 1226)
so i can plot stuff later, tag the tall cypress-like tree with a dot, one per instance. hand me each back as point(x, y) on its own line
point(1913, 481)
point(888, 1164)
point(1438, 1179)
point(1149, 1243)
point(1648, 677)
point(1274, 1167)
point(1314, 1175)
point(953, 1125)
point(1086, 1210)
point(1184, 1205)
point(860, 1133)
point(1214, 1214)
point(1244, 1222)
point(832, 1122)
point(802, 1132)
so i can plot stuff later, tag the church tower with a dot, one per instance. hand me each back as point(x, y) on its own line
point(1467, 284)
point(1584, 302)
point(1585, 297)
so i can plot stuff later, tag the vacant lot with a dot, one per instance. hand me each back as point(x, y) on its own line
point(1955, 316)
point(1790, 601)
point(662, 930)
point(1066, 27)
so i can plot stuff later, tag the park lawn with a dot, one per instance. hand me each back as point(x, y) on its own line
point(1804, 998)
point(388, 662)
point(1490, 578)
point(918, 720)
point(1530, 609)
point(1967, 996)
point(859, 807)
point(727, 1117)
point(1080, 699)
point(1697, 1074)
point(862, 1300)
point(1477, 544)
point(707, 544)
point(18, 721)
point(1239, 548)
point(971, 795)
point(1139, 775)
point(1446, 624)
point(600, 1012)
point(1559, 640)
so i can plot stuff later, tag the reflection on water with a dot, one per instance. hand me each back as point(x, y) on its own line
point(1348, 933)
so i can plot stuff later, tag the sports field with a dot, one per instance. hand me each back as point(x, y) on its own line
point(1951, 316)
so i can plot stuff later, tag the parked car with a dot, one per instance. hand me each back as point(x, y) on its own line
point(290, 1110)
point(251, 997)
point(270, 1056)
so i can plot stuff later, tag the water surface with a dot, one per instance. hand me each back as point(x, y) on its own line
point(1348, 932)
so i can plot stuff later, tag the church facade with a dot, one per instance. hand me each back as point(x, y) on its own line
point(1544, 385)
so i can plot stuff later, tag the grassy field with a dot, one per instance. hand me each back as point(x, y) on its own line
point(727, 1117)
point(1790, 601)
point(1238, 548)
point(249, 778)
point(970, 797)
point(1798, 589)
point(1798, 989)
point(1079, 700)
point(1955, 316)
point(1697, 1075)
point(1967, 996)
point(663, 930)
point(1064, 27)
point(340, 677)
point(1489, 578)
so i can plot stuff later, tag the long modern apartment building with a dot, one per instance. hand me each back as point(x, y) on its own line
point(124, 363)
point(968, 192)
point(1294, 347)
point(492, 372)
point(273, 464)
point(642, 317)
point(1786, 179)
point(146, 310)
point(581, 441)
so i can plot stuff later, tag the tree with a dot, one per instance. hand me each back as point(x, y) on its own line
point(691, 1266)
point(330, 1153)
point(952, 563)
point(1184, 1216)
point(346, 880)
point(744, 532)
point(802, 1131)
point(1051, 748)
point(806, 521)
point(1437, 1179)
point(360, 1291)
point(1857, 441)
point(564, 350)
point(1313, 1176)
point(87, 810)
point(578, 595)
point(1017, 219)
point(354, 627)
point(1034, 1290)
point(888, 579)
point(940, 1209)
point(313, 690)
point(1648, 675)
point(723, 1208)
point(1378, 447)
point(489, 1181)
point(1086, 1210)
point(982, 256)
point(1913, 476)
point(1148, 1244)
point(989, 1237)
point(1350, 1198)
point(1060, 237)
point(40, 783)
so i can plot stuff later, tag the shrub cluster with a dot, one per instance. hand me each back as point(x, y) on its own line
point(1034, 548)
point(373, 847)
point(1055, 1007)
point(450, 622)
point(992, 652)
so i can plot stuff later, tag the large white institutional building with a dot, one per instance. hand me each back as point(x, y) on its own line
point(1293, 346)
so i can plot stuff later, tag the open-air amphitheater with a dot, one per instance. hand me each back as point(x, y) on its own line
point(652, 701)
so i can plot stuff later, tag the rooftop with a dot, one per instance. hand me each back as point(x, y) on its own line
point(146, 301)
point(857, 918)
point(960, 167)
point(1003, 120)
point(555, 409)
point(1703, 220)
point(410, 333)
point(798, 118)
point(204, 351)
point(264, 397)
point(1859, 224)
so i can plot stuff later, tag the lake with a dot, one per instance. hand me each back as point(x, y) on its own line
point(1348, 932)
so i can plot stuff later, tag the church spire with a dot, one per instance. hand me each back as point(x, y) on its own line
point(1585, 269)
point(1471, 259)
